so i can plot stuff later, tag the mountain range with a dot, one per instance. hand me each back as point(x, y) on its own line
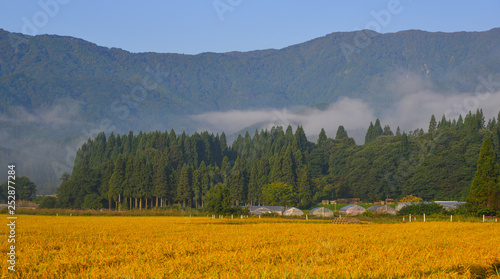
point(58, 91)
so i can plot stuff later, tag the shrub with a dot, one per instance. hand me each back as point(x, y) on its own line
point(411, 198)
point(48, 202)
point(368, 213)
point(422, 208)
point(217, 199)
point(461, 209)
point(92, 201)
point(486, 212)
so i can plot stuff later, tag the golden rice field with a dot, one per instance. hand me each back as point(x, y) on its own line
point(184, 247)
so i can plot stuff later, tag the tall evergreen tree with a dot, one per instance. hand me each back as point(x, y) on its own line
point(288, 169)
point(128, 190)
point(237, 187)
point(387, 131)
point(184, 190)
point(117, 182)
point(106, 174)
point(110, 144)
point(206, 182)
point(160, 180)
point(137, 191)
point(322, 137)
point(263, 171)
point(224, 169)
point(300, 137)
point(370, 134)
point(276, 171)
point(484, 192)
point(223, 145)
point(432, 124)
point(253, 185)
point(304, 186)
point(341, 133)
point(197, 187)
point(377, 129)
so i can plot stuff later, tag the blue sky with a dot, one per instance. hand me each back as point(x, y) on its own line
point(194, 26)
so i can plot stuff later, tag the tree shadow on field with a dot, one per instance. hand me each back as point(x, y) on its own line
point(471, 271)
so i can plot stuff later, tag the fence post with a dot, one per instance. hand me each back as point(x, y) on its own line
point(306, 218)
point(424, 217)
point(410, 218)
point(483, 218)
point(451, 218)
point(404, 218)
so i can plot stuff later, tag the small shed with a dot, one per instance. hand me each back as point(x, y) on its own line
point(385, 209)
point(352, 209)
point(293, 211)
point(321, 211)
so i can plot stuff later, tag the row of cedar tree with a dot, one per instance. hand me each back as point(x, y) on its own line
point(159, 169)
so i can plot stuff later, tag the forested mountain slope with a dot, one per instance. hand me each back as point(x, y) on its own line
point(165, 168)
point(56, 90)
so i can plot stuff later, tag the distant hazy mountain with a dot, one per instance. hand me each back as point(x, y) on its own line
point(56, 91)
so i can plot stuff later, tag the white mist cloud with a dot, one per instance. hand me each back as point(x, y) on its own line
point(412, 111)
point(54, 116)
point(354, 114)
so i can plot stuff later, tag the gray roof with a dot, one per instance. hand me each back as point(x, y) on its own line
point(448, 205)
point(293, 211)
point(321, 211)
point(403, 204)
point(385, 209)
point(263, 209)
point(373, 208)
point(352, 209)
